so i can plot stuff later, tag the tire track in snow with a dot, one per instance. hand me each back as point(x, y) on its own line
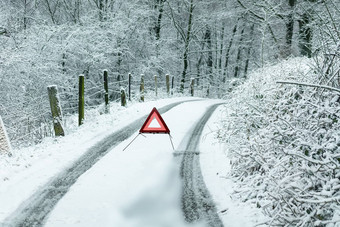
point(35, 210)
point(197, 204)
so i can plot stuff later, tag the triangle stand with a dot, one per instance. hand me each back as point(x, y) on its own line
point(171, 142)
point(148, 128)
point(131, 141)
point(170, 137)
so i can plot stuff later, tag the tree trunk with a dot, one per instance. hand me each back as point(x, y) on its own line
point(238, 58)
point(106, 89)
point(287, 49)
point(119, 59)
point(198, 65)
point(160, 5)
point(101, 10)
point(25, 14)
point(51, 10)
point(249, 49)
point(221, 49)
point(305, 35)
point(77, 11)
point(186, 46)
point(63, 63)
point(219, 85)
point(227, 54)
point(210, 57)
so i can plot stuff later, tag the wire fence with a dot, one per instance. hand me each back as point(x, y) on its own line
point(29, 120)
point(26, 127)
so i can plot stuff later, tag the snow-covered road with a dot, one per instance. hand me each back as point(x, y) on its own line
point(149, 184)
point(136, 187)
point(197, 203)
point(153, 154)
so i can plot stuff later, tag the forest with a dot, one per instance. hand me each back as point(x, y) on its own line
point(46, 42)
point(215, 43)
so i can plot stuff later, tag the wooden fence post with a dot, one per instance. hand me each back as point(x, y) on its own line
point(81, 105)
point(156, 85)
point(192, 84)
point(172, 85)
point(167, 80)
point(208, 90)
point(122, 97)
point(130, 77)
point(118, 80)
point(106, 88)
point(56, 110)
point(5, 145)
point(142, 88)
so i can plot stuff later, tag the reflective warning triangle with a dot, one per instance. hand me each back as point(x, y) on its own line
point(154, 124)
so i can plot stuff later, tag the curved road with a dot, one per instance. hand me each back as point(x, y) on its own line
point(35, 210)
point(197, 204)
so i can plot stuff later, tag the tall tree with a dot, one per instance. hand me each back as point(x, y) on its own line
point(186, 45)
point(185, 34)
point(227, 53)
point(289, 28)
point(249, 48)
point(159, 6)
point(210, 55)
point(238, 57)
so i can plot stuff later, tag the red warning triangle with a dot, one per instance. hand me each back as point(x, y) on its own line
point(154, 124)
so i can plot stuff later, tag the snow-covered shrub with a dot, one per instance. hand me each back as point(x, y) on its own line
point(284, 143)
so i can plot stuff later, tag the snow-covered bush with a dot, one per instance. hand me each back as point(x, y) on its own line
point(284, 143)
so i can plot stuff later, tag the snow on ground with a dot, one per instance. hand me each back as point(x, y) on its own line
point(215, 166)
point(137, 187)
point(30, 168)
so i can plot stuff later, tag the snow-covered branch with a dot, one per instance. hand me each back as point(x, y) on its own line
point(309, 85)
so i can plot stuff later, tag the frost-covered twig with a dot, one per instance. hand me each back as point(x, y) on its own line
point(309, 85)
point(328, 200)
point(310, 159)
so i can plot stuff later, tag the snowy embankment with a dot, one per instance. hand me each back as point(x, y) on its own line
point(215, 166)
point(30, 168)
point(283, 142)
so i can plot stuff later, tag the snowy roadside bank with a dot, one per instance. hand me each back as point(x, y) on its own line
point(283, 143)
point(215, 166)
